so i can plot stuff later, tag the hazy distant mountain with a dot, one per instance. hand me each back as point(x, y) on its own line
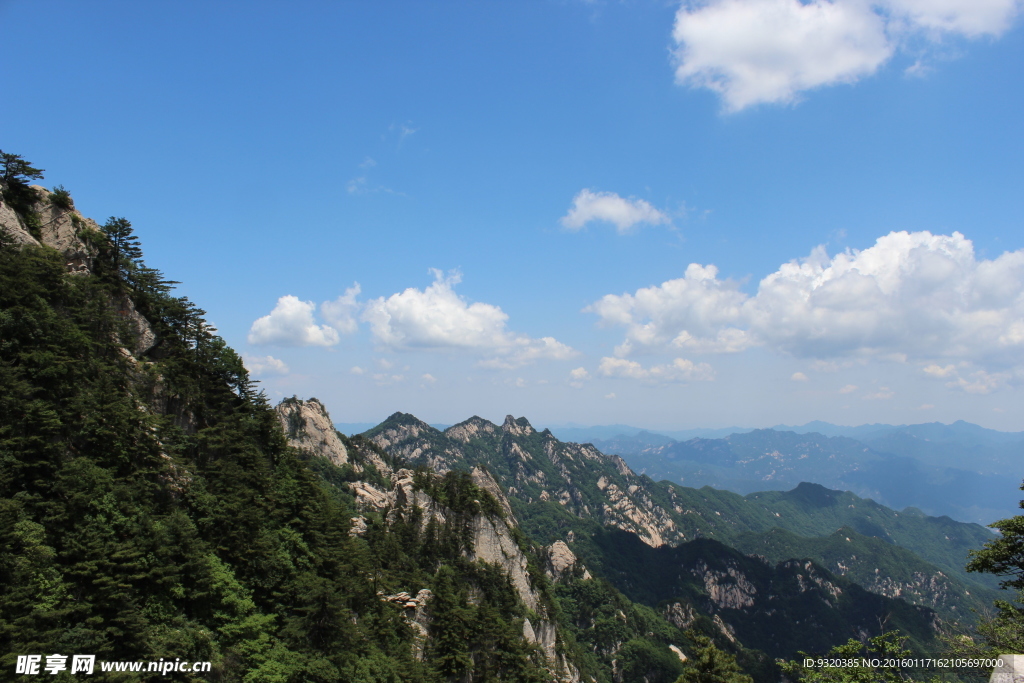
point(961, 470)
point(578, 434)
point(959, 431)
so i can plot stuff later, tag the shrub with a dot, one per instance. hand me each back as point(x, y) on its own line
point(61, 198)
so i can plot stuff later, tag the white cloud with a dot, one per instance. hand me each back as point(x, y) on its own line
point(438, 318)
point(679, 370)
point(610, 396)
point(799, 377)
point(756, 51)
point(356, 370)
point(291, 323)
point(976, 382)
point(427, 377)
point(939, 371)
point(577, 377)
point(696, 312)
point(341, 313)
point(883, 394)
point(753, 51)
point(971, 18)
point(848, 389)
point(264, 365)
point(588, 206)
point(912, 297)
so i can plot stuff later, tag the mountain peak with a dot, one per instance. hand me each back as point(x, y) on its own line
point(517, 427)
point(470, 429)
point(398, 427)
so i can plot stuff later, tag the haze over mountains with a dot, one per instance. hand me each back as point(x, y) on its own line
point(962, 470)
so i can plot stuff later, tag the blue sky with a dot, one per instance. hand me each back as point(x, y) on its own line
point(520, 189)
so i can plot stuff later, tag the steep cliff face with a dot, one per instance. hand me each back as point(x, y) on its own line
point(492, 540)
point(56, 226)
point(309, 428)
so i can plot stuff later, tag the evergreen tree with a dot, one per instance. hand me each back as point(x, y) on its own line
point(124, 251)
point(708, 664)
point(1003, 632)
point(14, 170)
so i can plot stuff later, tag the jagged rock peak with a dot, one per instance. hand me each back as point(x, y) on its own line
point(471, 429)
point(309, 428)
point(520, 427)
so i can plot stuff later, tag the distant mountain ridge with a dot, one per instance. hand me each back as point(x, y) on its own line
point(555, 487)
point(958, 470)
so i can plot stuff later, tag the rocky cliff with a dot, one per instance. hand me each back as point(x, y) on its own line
point(62, 228)
point(309, 428)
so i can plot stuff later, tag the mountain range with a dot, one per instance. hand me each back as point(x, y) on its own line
point(960, 470)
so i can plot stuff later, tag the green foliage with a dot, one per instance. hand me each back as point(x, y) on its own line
point(888, 645)
point(123, 253)
point(456, 491)
point(1002, 631)
point(15, 175)
point(152, 508)
point(15, 170)
point(603, 625)
point(61, 198)
point(867, 560)
point(1003, 556)
point(708, 664)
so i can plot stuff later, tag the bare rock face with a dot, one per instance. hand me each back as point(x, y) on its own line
point(562, 560)
point(11, 225)
point(1011, 671)
point(493, 543)
point(472, 428)
point(729, 589)
point(142, 336)
point(485, 481)
point(309, 428)
point(61, 229)
point(679, 615)
point(543, 635)
point(520, 427)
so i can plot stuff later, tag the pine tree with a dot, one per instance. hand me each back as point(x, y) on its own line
point(708, 664)
point(124, 252)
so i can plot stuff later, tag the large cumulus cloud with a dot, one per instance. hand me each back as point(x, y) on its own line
point(438, 318)
point(913, 297)
point(757, 51)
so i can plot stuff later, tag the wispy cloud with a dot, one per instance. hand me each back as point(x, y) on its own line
point(264, 365)
point(589, 206)
point(679, 370)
